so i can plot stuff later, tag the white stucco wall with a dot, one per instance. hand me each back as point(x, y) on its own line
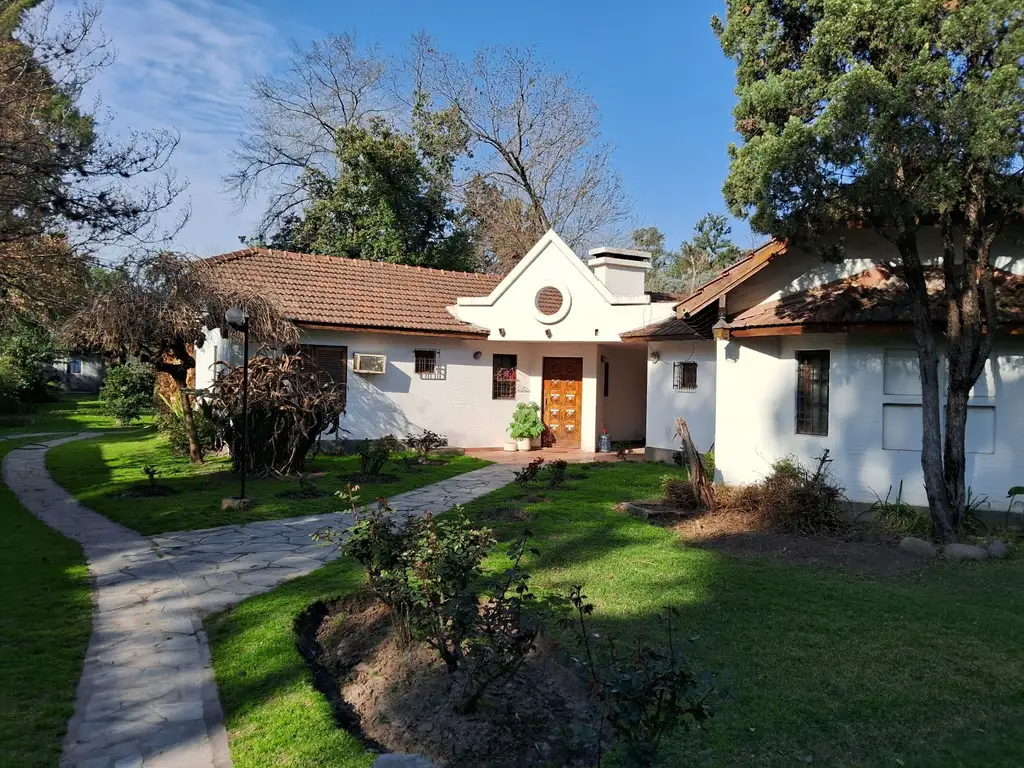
point(756, 420)
point(592, 315)
point(457, 404)
point(665, 405)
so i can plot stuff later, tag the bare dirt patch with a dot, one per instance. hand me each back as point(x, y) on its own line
point(857, 547)
point(403, 699)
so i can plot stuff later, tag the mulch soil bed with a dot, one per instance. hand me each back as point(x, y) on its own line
point(402, 699)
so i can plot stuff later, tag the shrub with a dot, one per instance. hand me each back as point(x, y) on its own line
point(526, 423)
point(793, 498)
point(558, 470)
point(128, 392)
point(529, 473)
point(647, 693)
point(678, 492)
point(171, 424)
point(374, 454)
point(708, 460)
point(427, 572)
point(30, 350)
point(622, 449)
point(425, 443)
point(11, 388)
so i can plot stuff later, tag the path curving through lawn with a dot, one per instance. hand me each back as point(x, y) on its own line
point(147, 696)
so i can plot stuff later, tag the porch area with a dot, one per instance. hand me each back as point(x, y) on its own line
point(520, 458)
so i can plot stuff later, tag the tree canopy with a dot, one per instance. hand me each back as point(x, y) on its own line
point(895, 115)
point(696, 261)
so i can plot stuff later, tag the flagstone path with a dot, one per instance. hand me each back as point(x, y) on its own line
point(147, 695)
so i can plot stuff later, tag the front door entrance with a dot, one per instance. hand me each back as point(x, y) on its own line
point(563, 407)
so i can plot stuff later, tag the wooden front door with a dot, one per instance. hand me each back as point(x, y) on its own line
point(563, 401)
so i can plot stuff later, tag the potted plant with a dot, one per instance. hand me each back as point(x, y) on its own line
point(526, 425)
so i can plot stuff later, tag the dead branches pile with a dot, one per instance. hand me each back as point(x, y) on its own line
point(289, 407)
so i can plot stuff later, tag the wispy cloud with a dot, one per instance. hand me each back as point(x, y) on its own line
point(183, 65)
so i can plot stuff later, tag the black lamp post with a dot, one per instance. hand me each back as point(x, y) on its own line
point(238, 319)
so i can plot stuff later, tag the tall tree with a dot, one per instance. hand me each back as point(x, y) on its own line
point(537, 160)
point(894, 115)
point(389, 201)
point(289, 142)
point(66, 184)
point(159, 309)
point(695, 262)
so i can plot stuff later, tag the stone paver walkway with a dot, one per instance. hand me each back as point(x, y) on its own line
point(147, 696)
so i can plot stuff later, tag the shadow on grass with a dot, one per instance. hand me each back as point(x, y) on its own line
point(822, 665)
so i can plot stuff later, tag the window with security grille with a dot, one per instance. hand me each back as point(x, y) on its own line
point(812, 392)
point(684, 377)
point(503, 377)
point(330, 364)
point(426, 361)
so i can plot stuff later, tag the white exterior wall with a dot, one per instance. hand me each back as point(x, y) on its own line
point(457, 403)
point(756, 425)
point(664, 404)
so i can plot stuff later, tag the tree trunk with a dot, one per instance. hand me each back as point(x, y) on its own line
point(927, 355)
point(195, 448)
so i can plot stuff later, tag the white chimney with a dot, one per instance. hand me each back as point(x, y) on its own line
point(620, 269)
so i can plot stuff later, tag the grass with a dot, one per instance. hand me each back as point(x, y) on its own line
point(827, 666)
point(45, 622)
point(72, 413)
point(99, 470)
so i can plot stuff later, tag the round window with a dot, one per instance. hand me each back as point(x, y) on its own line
point(549, 301)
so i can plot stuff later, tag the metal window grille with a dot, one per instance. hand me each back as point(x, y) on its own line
point(812, 393)
point(503, 377)
point(426, 361)
point(684, 377)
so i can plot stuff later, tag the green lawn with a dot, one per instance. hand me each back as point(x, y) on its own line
point(72, 413)
point(97, 470)
point(45, 622)
point(824, 666)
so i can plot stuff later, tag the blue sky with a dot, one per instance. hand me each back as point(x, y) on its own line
point(663, 86)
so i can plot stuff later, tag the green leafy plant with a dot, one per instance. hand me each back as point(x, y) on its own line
point(1012, 494)
point(425, 443)
point(151, 474)
point(897, 516)
point(526, 423)
point(647, 693)
point(622, 449)
point(974, 524)
point(374, 454)
point(428, 572)
point(529, 473)
point(170, 423)
point(128, 392)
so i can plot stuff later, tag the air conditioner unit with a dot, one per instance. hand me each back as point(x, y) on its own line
point(365, 363)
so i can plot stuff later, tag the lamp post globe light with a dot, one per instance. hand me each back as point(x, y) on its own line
point(238, 319)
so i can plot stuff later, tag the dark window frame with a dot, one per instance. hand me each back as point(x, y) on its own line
point(504, 370)
point(426, 362)
point(812, 391)
point(684, 376)
point(72, 365)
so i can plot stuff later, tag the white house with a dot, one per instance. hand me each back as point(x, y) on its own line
point(779, 355)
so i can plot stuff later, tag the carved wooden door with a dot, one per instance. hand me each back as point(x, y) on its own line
point(563, 406)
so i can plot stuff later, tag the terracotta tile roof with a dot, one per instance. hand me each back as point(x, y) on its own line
point(696, 327)
point(877, 295)
point(313, 289)
point(730, 277)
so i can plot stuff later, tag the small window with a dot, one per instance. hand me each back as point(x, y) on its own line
point(503, 377)
point(606, 378)
point(426, 361)
point(330, 365)
point(74, 366)
point(684, 377)
point(812, 393)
